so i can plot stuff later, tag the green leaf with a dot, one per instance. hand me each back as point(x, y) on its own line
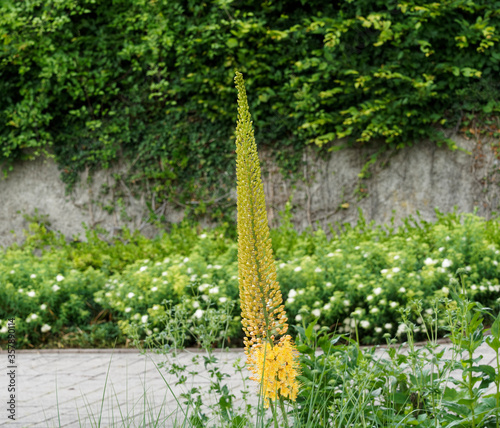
point(232, 43)
point(305, 349)
point(495, 328)
point(310, 330)
point(401, 397)
point(493, 343)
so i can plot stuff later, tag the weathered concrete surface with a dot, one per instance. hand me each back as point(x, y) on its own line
point(423, 177)
point(415, 179)
point(35, 187)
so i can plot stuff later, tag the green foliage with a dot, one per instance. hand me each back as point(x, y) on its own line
point(342, 384)
point(355, 283)
point(399, 69)
point(426, 386)
point(150, 82)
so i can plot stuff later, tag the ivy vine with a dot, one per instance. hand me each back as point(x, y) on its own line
point(149, 82)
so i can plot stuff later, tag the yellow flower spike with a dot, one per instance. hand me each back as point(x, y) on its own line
point(276, 368)
point(272, 360)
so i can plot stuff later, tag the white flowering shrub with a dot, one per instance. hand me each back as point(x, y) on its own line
point(355, 282)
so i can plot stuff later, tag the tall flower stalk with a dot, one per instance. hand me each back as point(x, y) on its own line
point(271, 354)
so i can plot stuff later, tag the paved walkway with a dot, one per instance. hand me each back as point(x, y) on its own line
point(105, 388)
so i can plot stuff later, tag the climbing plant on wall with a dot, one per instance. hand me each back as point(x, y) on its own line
point(149, 82)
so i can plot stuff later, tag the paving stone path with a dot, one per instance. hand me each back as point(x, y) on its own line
point(103, 388)
point(106, 388)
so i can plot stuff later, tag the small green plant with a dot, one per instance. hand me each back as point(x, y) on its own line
point(430, 385)
point(214, 406)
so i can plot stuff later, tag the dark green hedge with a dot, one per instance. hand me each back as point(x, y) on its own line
point(151, 81)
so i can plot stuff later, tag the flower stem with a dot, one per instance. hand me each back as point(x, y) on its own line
point(275, 414)
point(283, 412)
